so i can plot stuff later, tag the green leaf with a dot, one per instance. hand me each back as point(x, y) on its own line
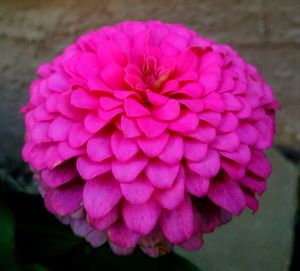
point(7, 244)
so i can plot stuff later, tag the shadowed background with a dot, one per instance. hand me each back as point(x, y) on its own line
point(265, 32)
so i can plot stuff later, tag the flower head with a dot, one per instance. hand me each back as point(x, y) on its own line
point(147, 134)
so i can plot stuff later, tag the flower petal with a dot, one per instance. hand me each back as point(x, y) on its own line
point(151, 127)
point(135, 109)
point(169, 111)
point(187, 122)
point(98, 148)
point(196, 184)
point(194, 150)
point(152, 147)
point(89, 169)
point(173, 151)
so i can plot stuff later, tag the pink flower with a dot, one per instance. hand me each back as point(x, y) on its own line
point(147, 134)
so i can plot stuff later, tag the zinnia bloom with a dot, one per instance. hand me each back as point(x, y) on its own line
point(149, 135)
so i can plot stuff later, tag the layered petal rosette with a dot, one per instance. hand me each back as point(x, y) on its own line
point(149, 135)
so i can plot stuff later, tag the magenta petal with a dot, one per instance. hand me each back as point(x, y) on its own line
point(208, 167)
point(100, 195)
point(122, 147)
point(205, 133)
point(120, 235)
point(155, 98)
point(98, 148)
point(173, 151)
point(137, 191)
point(59, 175)
point(88, 65)
point(187, 122)
point(83, 99)
point(151, 127)
point(66, 152)
point(247, 133)
point(226, 142)
point(171, 197)
point(242, 155)
point(213, 118)
point(259, 165)
point(89, 169)
point(194, 243)
point(121, 251)
point(169, 111)
point(160, 174)
point(196, 184)
point(253, 183)
point(153, 146)
point(177, 224)
point(93, 123)
point(78, 135)
point(129, 170)
point(141, 218)
point(96, 238)
point(64, 200)
point(194, 150)
point(129, 127)
point(113, 76)
point(135, 109)
point(228, 195)
point(108, 103)
point(229, 123)
point(60, 128)
point(105, 221)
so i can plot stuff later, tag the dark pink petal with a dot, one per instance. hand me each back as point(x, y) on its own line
point(93, 123)
point(153, 147)
point(160, 174)
point(137, 191)
point(103, 222)
point(194, 150)
point(129, 170)
point(141, 218)
point(88, 65)
point(213, 118)
point(83, 99)
point(60, 128)
point(177, 224)
point(108, 103)
point(210, 216)
point(196, 184)
point(210, 81)
point(89, 169)
point(123, 148)
point(193, 90)
point(98, 148)
point(229, 122)
point(151, 127)
point(187, 122)
point(171, 197)
point(64, 200)
point(247, 133)
point(195, 105)
point(173, 151)
point(39, 133)
point(208, 167)
point(52, 157)
point(130, 127)
point(59, 175)
point(231, 102)
point(242, 155)
point(155, 98)
point(226, 142)
point(205, 133)
point(253, 183)
point(235, 170)
point(66, 151)
point(100, 195)
point(228, 195)
point(259, 165)
point(265, 131)
point(78, 135)
point(95, 84)
point(120, 235)
point(109, 115)
point(121, 251)
point(251, 201)
point(213, 102)
point(194, 243)
point(169, 111)
point(113, 76)
point(135, 109)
